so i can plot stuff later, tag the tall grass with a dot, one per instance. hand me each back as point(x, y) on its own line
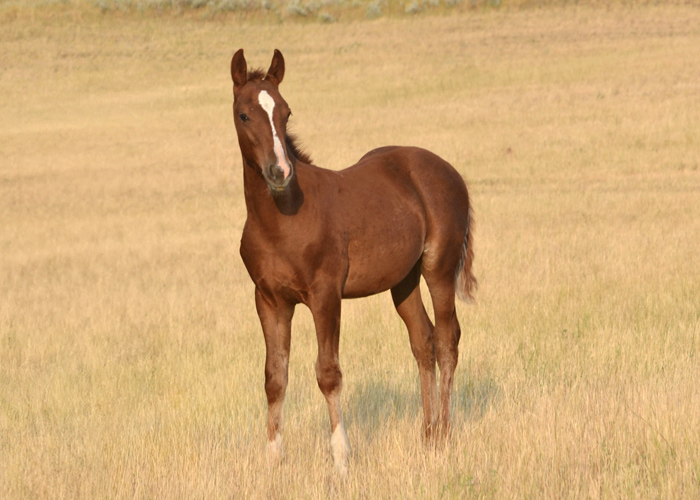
point(131, 358)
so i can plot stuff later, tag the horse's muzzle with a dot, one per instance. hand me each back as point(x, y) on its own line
point(274, 175)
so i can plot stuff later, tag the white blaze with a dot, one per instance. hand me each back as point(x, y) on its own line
point(268, 104)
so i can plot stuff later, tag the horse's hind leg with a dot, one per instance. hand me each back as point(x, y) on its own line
point(446, 335)
point(407, 299)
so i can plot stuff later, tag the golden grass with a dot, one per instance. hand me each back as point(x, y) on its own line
point(131, 359)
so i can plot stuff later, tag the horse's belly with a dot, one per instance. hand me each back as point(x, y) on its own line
point(378, 264)
point(386, 227)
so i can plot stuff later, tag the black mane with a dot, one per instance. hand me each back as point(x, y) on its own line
point(295, 150)
point(256, 74)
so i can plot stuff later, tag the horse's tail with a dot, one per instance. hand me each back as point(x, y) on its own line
point(466, 282)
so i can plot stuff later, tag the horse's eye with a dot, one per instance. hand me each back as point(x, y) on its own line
point(243, 117)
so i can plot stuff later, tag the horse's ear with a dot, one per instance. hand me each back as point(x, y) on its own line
point(239, 70)
point(276, 72)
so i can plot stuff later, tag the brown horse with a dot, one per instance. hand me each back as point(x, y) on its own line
point(316, 236)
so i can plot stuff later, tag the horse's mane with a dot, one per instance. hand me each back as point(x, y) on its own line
point(296, 151)
point(256, 74)
point(291, 139)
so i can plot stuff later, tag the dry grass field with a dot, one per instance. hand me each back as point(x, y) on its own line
point(131, 358)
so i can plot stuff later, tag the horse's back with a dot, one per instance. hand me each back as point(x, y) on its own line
point(434, 179)
point(378, 151)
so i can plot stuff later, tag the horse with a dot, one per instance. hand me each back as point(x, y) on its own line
point(315, 236)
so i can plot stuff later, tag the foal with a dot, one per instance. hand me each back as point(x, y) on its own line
point(316, 236)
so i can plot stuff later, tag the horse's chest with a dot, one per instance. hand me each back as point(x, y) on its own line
point(279, 266)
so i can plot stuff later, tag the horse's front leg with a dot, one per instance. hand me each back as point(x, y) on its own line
point(276, 320)
point(325, 308)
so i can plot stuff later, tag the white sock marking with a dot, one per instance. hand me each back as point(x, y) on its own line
point(275, 450)
point(268, 104)
point(340, 448)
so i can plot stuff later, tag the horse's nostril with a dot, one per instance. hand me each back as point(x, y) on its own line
point(276, 172)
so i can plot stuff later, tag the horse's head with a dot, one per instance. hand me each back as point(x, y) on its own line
point(260, 114)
